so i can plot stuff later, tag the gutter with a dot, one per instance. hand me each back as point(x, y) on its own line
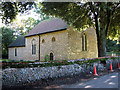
point(46, 32)
point(16, 46)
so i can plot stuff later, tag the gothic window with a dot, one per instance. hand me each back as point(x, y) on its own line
point(43, 41)
point(53, 39)
point(15, 51)
point(84, 42)
point(33, 46)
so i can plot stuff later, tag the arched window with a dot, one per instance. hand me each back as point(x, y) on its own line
point(15, 51)
point(53, 39)
point(43, 41)
point(84, 42)
point(51, 56)
point(33, 46)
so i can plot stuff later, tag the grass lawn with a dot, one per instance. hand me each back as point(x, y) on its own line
point(112, 53)
point(7, 60)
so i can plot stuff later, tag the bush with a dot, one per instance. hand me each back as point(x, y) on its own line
point(24, 64)
point(47, 58)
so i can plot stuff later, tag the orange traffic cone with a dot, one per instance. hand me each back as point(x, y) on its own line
point(95, 73)
point(111, 67)
point(118, 66)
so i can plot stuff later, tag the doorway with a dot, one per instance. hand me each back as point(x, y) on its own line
point(51, 56)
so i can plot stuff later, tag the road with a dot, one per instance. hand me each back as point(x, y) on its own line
point(106, 81)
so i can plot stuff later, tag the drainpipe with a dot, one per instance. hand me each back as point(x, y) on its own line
point(39, 48)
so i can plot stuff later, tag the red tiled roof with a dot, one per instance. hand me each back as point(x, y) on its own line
point(49, 25)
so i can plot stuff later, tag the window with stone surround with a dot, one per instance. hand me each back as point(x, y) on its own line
point(53, 39)
point(43, 40)
point(33, 47)
point(84, 42)
point(15, 51)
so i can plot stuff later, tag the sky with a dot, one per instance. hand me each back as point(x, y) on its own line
point(30, 13)
point(24, 16)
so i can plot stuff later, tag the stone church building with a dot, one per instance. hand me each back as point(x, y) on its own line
point(55, 38)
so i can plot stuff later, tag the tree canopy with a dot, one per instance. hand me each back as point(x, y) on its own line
point(7, 37)
point(104, 16)
point(9, 10)
point(81, 15)
point(112, 46)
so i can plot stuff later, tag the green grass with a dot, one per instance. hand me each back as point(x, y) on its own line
point(7, 60)
point(15, 61)
point(110, 53)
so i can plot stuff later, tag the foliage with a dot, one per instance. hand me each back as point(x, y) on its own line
point(110, 53)
point(30, 23)
point(25, 25)
point(75, 15)
point(112, 46)
point(7, 37)
point(47, 58)
point(18, 64)
point(42, 16)
point(9, 10)
point(0, 43)
point(103, 15)
point(114, 58)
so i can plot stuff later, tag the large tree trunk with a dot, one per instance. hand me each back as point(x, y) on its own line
point(97, 33)
point(102, 41)
point(101, 38)
point(102, 32)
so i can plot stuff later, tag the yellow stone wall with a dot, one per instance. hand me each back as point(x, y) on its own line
point(20, 53)
point(25, 53)
point(75, 44)
point(68, 45)
point(58, 48)
point(29, 55)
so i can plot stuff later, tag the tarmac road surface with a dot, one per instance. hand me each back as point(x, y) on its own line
point(106, 81)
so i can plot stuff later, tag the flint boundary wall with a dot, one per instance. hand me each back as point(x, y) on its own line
point(18, 76)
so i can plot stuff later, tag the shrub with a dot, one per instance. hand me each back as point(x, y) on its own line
point(23, 64)
point(83, 58)
point(36, 60)
point(47, 58)
point(114, 58)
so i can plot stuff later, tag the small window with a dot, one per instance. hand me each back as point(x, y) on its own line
point(15, 51)
point(53, 39)
point(84, 42)
point(43, 41)
point(33, 46)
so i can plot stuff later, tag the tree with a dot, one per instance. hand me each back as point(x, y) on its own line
point(42, 16)
point(30, 23)
point(0, 44)
point(103, 15)
point(111, 46)
point(9, 10)
point(7, 38)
